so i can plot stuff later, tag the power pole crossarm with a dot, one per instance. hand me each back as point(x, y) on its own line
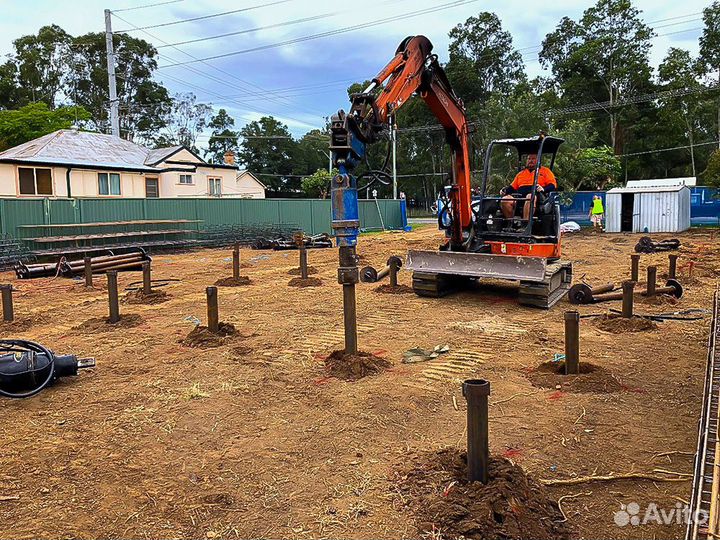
point(112, 85)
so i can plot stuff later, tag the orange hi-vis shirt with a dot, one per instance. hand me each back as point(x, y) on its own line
point(526, 178)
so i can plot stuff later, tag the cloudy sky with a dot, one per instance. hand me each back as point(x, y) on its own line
point(303, 82)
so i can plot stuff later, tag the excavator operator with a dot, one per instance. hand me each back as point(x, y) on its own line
point(521, 187)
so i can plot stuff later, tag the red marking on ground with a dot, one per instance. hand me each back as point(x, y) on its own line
point(320, 356)
point(512, 452)
point(557, 394)
point(321, 380)
point(635, 389)
point(382, 353)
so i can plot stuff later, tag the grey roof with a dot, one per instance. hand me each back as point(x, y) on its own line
point(160, 154)
point(85, 149)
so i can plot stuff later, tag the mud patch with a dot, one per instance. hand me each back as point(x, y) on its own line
point(353, 367)
point(511, 505)
point(18, 325)
point(592, 378)
point(616, 324)
point(138, 297)
point(240, 351)
point(389, 289)
point(232, 282)
point(309, 282)
point(202, 338)
point(102, 324)
point(296, 271)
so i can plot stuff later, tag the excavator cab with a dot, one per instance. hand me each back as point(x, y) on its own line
point(540, 234)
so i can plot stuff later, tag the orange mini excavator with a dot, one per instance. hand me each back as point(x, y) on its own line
point(482, 240)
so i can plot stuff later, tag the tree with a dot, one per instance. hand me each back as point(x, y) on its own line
point(144, 104)
point(35, 120)
point(591, 169)
point(223, 138)
point(711, 175)
point(710, 48)
point(187, 120)
point(318, 183)
point(311, 152)
point(267, 149)
point(42, 62)
point(602, 57)
point(483, 60)
point(679, 71)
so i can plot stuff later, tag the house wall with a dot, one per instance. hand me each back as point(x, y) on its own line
point(84, 182)
point(170, 185)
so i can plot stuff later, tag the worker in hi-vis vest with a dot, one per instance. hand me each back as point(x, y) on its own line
point(597, 211)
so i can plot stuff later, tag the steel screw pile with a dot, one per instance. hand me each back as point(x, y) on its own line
point(635, 267)
point(7, 303)
point(112, 279)
point(88, 271)
point(672, 265)
point(147, 281)
point(476, 393)
point(236, 261)
point(572, 343)
point(212, 310)
point(651, 280)
point(627, 299)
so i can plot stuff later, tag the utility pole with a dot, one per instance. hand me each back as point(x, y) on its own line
point(394, 156)
point(112, 86)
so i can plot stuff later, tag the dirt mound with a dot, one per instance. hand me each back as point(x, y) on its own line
point(102, 324)
point(353, 367)
point(138, 297)
point(389, 289)
point(592, 378)
point(232, 282)
point(202, 338)
point(510, 506)
point(309, 282)
point(659, 300)
point(617, 324)
point(18, 325)
point(296, 271)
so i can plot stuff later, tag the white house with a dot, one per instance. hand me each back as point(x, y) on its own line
point(72, 163)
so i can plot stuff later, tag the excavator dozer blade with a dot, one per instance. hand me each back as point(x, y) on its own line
point(438, 273)
point(477, 265)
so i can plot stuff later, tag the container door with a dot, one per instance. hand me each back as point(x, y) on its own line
point(626, 212)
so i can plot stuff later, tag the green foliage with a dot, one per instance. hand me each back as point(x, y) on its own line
point(589, 169)
point(318, 183)
point(35, 120)
point(711, 174)
point(311, 152)
point(223, 138)
point(267, 149)
point(483, 60)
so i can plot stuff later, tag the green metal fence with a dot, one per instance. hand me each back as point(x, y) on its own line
point(312, 215)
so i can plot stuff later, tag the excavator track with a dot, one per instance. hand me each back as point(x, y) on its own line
point(543, 294)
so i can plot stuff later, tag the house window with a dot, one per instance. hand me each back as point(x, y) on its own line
point(108, 184)
point(215, 187)
point(186, 179)
point(35, 181)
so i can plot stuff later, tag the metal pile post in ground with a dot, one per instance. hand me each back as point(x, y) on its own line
point(705, 497)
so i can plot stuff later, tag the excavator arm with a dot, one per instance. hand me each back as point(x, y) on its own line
point(413, 69)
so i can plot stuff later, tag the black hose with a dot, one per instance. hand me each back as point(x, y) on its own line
point(21, 345)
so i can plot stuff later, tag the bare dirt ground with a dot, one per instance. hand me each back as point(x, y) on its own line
point(252, 438)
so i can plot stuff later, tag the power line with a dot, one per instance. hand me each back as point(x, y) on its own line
point(261, 91)
point(145, 6)
point(377, 22)
point(668, 149)
point(204, 17)
point(270, 26)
